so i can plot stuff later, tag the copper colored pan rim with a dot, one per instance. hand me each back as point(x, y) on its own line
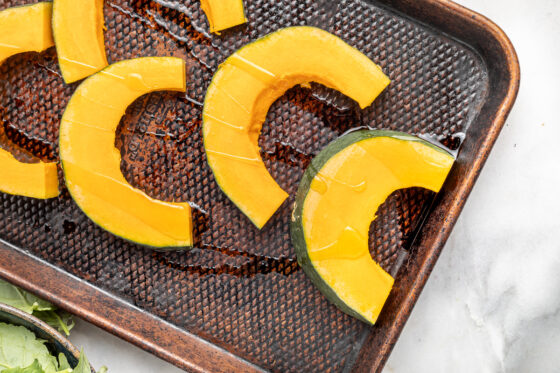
point(475, 168)
point(119, 318)
point(368, 361)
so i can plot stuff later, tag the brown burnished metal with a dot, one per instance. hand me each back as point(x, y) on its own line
point(238, 300)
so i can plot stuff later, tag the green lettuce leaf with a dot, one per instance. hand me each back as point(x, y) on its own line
point(27, 302)
point(33, 368)
point(61, 320)
point(19, 348)
point(63, 362)
point(83, 364)
point(15, 297)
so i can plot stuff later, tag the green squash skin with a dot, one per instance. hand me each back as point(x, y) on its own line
point(100, 225)
point(296, 225)
point(142, 245)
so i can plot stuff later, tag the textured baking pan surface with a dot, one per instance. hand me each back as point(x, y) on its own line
point(238, 301)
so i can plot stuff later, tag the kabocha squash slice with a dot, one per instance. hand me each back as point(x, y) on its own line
point(91, 163)
point(26, 29)
point(35, 180)
point(247, 84)
point(223, 14)
point(78, 34)
point(336, 202)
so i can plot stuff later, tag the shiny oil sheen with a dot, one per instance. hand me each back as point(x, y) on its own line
point(91, 162)
point(247, 84)
point(78, 32)
point(26, 29)
point(342, 202)
point(223, 14)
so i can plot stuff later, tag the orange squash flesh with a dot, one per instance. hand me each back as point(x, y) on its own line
point(26, 29)
point(78, 33)
point(223, 14)
point(337, 201)
point(91, 163)
point(247, 84)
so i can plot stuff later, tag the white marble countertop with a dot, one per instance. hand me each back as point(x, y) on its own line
point(492, 303)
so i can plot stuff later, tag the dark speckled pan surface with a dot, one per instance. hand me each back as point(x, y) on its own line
point(238, 300)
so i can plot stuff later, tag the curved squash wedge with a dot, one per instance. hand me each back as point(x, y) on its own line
point(223, 14)
point(91, 163)
point(26, 29)
point(247, 84)
point(35, 180)
point(78, 34)
point(336, 202)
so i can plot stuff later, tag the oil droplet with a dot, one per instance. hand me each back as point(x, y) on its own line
point(359, 188)
point(130, 14)
point(9, 46)
point(74, 62)
point(206, 115)
point(197, 207)
point(89, 125)
point(351, 243)
point(136, 82)
point(319, 184)
point(253, 161)
point(331, 98)
point(438, 141)
point(293, 215)
point(193, 101)
point(253, 69)
point(233, 99)
point(349, 246)
point(182, 7)
point(96, 102)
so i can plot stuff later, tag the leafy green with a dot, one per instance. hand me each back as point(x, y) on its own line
point(33, 368)
point(15, 297)
point(22, 352)
point(84, 367)
point(19, 348)
point(27, 302)
point(63, 362)
point(61, 320)
point(83, 364)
